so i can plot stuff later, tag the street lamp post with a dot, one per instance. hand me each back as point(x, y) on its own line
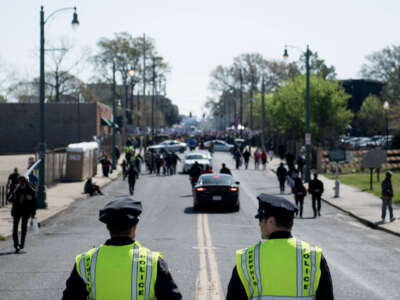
point(42, 142)
point(386, 108)
point(308, 133)
point(262, 113)
point(241, 101)
point(114, 95)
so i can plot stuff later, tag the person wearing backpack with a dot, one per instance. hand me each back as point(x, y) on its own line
point(23, 207)
point(299, 192)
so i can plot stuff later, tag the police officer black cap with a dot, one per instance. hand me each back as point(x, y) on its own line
point(122, 211)
point(270, 205)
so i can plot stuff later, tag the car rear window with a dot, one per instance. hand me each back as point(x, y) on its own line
point(217, 180)
point(195, 156)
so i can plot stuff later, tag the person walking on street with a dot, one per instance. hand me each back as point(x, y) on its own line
point(281, 173)
point(238, 158)
point(124, 165)
point(316, 188)
point(121, 268)
point(257, 157)
point(301, 161)
point(175, 158)
point(299, 192)
point(132, 175)
point(387, 196)
point(225, 170)
point(246, 158)
point(280, 266)
point(12, 181)
point(23, 199)
point(264, 159)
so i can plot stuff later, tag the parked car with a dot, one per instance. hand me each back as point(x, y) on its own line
point(171, 146)
point(192, 157)
point(219, 145)
point(216, 190)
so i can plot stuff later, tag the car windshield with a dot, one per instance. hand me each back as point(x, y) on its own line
point(195, 156)
point(217, 180)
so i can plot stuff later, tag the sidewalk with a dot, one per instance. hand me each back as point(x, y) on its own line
point(361, 205)
point(59, 198)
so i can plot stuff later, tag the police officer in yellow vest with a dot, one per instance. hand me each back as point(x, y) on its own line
point(280, 266)
point(121, 269)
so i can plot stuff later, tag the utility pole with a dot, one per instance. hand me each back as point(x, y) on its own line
point(114, 159)
point(153, 95)
point(144, 83)
point(308, 133)
point(251, 101)
point(124, 102)
point(262, 113)
point(241, 102)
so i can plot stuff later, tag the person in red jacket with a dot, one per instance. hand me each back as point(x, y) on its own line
point(208, 170)
point(264, 159)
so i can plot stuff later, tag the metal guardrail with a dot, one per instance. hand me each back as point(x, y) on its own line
point(3, 196)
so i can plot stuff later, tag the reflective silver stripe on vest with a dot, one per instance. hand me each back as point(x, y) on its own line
point(257, 267)
point(93, 273)
point(299, 269)
point(82, 268)
point(281, 298)
point(149, 270)
point(135, 259)
point(313, 269)
point(245, 271)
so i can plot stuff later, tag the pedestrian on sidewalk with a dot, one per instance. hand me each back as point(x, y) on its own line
point(387, 195)
point(121, 268)
point(105, 164)
point(124, 165)
point(281, 172)
point(12, 181)
point(299, 192)
point(23, 199)
point(316, 188)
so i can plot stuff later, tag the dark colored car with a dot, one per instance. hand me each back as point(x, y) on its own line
point(216, 190)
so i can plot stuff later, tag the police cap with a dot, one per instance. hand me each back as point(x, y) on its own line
point(122, 211)
point(269, 205)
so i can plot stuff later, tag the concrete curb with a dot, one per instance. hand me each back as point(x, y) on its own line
point(361, 220)
point(47, 219)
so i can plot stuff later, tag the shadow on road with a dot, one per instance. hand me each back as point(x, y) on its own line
point(11, 253)
point(207, 210)
point(187, 196)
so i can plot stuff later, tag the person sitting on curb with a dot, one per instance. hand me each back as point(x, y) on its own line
point(91, 188)
point(387, 195)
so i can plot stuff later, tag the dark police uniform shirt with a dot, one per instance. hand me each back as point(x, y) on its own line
point(165, 286)
point(236, 289)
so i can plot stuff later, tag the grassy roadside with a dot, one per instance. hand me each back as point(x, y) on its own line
point(361, 181)
point(2, 238)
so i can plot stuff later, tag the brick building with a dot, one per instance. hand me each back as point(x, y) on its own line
point(65, 123)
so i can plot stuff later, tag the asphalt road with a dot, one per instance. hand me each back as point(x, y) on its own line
point(200, 247)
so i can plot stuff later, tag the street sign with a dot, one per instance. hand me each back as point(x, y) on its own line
point(374, 158)
point(337, 154)
point(308, 138)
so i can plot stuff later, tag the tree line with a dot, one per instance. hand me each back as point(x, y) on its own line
point(237, 97)
point(134, 62)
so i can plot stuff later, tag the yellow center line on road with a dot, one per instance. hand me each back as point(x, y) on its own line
point(205, 289)
point(202, 280)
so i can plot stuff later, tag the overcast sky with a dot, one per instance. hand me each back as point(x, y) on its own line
point(196, 36)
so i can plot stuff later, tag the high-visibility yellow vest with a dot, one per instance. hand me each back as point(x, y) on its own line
point(280, 269)
point(126, 272)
